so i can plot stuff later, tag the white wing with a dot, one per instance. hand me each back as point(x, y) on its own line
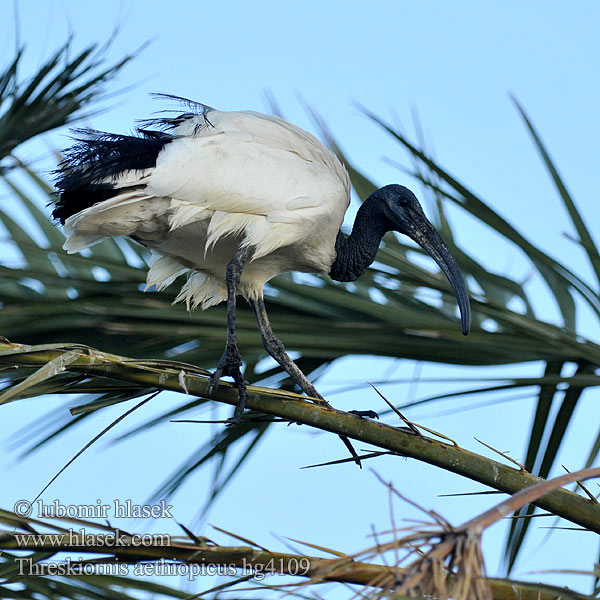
point(245, 173)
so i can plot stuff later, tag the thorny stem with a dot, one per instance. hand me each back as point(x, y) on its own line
point(563, 503)
point(527, 496)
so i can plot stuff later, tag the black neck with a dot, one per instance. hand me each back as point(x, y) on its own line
point(356, 252)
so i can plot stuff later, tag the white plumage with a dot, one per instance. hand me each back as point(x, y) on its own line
point(233, 199)
point(227, 180)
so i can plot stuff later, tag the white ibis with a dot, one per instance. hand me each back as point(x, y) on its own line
point(233, 199)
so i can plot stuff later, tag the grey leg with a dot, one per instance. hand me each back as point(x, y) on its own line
point(274, 346)
point(231, 361)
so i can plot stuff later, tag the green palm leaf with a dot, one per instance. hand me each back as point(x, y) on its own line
point(398, 309)
point(55, 96)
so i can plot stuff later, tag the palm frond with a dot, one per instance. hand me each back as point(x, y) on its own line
point(55, 96)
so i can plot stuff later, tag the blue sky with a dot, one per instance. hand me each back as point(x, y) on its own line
point(454, 63)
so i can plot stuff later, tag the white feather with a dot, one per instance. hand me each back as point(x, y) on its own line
point(183, 213)
point(243, 180)
point(200, 289)
point(163, 272)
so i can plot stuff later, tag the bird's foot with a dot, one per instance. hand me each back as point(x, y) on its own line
point(230, 365)
point(370, 414)
point(241, 384)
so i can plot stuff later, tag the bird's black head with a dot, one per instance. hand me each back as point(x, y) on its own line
point(396, 203)
point(401, 210)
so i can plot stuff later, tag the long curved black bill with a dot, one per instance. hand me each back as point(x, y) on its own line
point(418, 228)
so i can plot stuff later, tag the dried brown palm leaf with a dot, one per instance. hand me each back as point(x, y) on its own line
point(449, 562)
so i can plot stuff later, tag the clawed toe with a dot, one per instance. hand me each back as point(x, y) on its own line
point(214, 381)
point(371, 414)
point(233, 421)
point(239, 409)
point(230, 364)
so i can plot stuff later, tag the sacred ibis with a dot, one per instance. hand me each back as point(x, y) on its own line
point(232, 199)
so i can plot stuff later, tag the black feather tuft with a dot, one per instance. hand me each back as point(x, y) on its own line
point(196, 109)
point(97, 157)
point(83, 177)
point(74, 200)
